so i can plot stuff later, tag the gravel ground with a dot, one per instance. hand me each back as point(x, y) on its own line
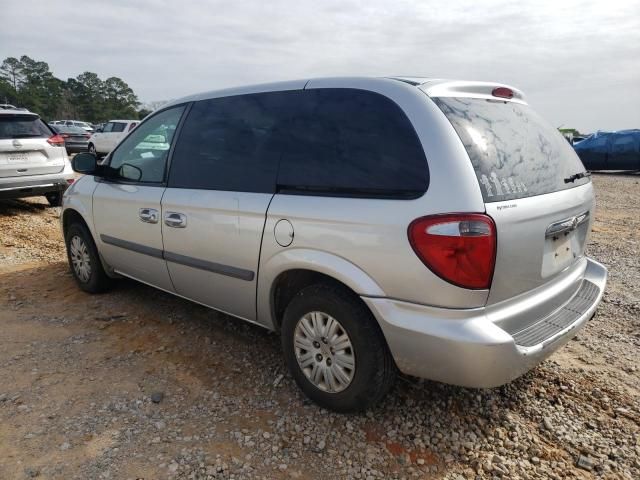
point(139, 384)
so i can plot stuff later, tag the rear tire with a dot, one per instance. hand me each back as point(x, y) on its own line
point(92, 149)
point(338, 387)
point(54, 198)
point(84, 260)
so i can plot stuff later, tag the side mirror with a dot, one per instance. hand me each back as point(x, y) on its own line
point(98, 130)
point(85, 163)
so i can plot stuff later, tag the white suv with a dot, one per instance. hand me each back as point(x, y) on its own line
point(105, 140)
point(33, 159)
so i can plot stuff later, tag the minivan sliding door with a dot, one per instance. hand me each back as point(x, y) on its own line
point(222, 178)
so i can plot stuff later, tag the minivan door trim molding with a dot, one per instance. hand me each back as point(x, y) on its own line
point(222, 269)
point(134, 247)
point(227, 270)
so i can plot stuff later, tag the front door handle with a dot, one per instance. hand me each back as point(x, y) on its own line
point(148, 215)
point(175, 220)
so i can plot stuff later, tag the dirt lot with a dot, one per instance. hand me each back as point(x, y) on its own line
point(136, 383)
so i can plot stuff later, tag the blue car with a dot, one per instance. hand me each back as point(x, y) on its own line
point(610, 150)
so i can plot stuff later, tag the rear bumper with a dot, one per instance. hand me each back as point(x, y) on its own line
point(34, 185)
point(467, 347)
point(77, 147)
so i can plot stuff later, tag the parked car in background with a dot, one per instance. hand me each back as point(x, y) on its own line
point(73, 123)
point(435, 227)
point(76, 139)
point(105, 140)
point(33, 160)
point(610, 150)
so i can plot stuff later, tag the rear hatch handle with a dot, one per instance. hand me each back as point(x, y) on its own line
point(566, 225)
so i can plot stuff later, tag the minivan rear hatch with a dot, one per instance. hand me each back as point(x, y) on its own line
point(534, 187)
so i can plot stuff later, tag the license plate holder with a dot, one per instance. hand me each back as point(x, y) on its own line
point(562, 249)
point(559, 252)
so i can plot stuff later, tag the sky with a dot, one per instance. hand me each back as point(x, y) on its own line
point(578, 63)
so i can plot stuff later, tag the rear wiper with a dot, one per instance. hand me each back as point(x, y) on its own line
point(26, 135)
point(577, 176)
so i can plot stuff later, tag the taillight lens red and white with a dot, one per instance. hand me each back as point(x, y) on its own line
point(56, 141)
point(459, 248)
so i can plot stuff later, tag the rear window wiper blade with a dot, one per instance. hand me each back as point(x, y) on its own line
point(577, 176)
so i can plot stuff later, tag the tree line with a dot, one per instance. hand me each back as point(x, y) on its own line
point(29, 83)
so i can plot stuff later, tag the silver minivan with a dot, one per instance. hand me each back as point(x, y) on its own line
point(431, 227)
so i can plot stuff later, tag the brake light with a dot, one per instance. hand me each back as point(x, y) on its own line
point(56, 141)
point(502, 92)
point(459, 248)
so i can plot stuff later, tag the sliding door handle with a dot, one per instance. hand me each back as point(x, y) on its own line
point(175, 220)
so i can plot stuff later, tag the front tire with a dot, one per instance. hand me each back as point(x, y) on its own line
point(335, 350)
point(92, 150)
point(84, 260)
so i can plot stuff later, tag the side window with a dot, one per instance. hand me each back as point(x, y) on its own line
point(108, 127)
point(350, 142)
point(232, 143)
point(118, 127)
point(142, 156)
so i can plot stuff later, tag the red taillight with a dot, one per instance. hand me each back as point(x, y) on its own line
point(502, 92)
point(56, 141)
point(460, 248)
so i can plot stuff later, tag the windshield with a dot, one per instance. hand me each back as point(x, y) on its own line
point(514, 152)
point(22, 126)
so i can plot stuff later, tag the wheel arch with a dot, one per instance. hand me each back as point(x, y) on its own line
point(70, 216)
point(285, 274)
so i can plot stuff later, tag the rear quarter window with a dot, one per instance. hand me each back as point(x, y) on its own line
point(348, 142)
point(514, 152)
